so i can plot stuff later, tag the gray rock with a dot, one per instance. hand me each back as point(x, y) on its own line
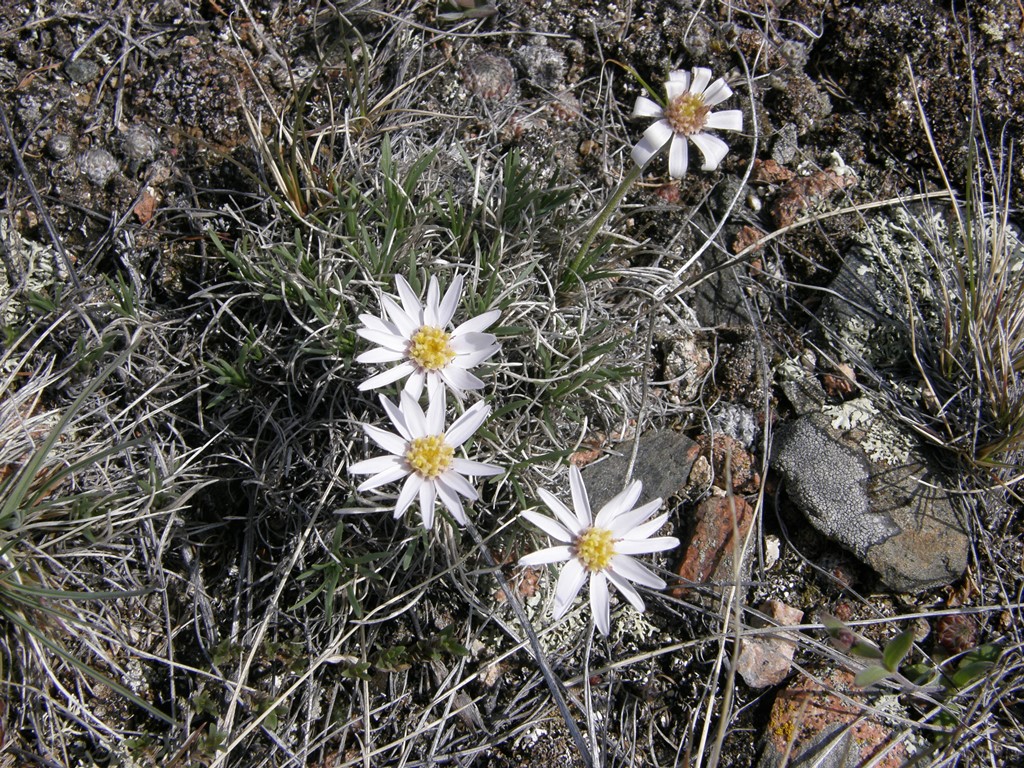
point(663, 464)
point(82, 71)
point(785, 145)
point(805, 394)
point(887, 506)
point(827, 481)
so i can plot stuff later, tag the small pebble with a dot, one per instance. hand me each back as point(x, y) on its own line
point(82, 71)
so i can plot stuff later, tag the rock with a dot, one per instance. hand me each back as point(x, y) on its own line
point(734, 468)
point(766, 659)
point(804, 393)
point(82, 71)
point(810, 725)
point(722, 526)
point(802, 193)
point(663, 464)
point(878, 498)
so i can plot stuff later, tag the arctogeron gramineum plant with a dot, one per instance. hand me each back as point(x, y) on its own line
point(422, 452)
point(600, 548)
point(416, 336)
point(686, 116)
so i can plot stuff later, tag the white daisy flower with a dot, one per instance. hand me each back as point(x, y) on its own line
point(600, 547)
point(424, 453)
point(687, 115)
point(415, 336)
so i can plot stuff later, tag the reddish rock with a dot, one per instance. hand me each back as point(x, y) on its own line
point(722, 526)
point(770, 172)
point(745, 238)
point(803, 193)
point(807, 716)
point(726, 453)
point(766, 659)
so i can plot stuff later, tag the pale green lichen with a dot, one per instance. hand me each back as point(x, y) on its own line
point(884, 442)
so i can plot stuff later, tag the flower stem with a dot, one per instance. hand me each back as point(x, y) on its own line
point(602, 218)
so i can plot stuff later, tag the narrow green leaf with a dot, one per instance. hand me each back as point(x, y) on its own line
point(869, 676)
point(897, 649)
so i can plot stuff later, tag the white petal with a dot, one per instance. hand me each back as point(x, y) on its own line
point(414, 384)
point(619, 504)
point(726, 120)
point(410, 300)
point(624, 525)
point(473, 341)
point(452, 503)
point(428, 495)
point(459, 380)
point(376, 465)
point(645, 107)
point(389, 441)
point(415, 419)
point(549, 555)
point(450, 302)
point(645, 546)
point(580, 499)
point(655, 137)
point(570, 582)
point(678, 157)
point(468, 423)
point(551, 527)
point(640, 529)
point(384, 339)
point(436, 414)
point(387, 377)
point(713, 149)
point(565, 517)
point(409, 492)
point(475, 468)
point(701, 78)
point(474, 358)
point(456, 483)
point(380, 355)
point(632, 569)
point(433, 299)
point(478, 323)
point(600, 606)
point(677, 84)
point(390, 475)
point(397, 418)
point(435, 387)
point(717, 92)
point(407, 325)
point(375, 323)
point(628, 591)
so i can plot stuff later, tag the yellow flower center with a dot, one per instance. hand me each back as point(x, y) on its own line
point(431, 348)
point(595, 548)
point(429, 456)
point(687, 113)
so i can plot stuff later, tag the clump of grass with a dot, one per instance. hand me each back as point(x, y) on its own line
point(980, 365)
